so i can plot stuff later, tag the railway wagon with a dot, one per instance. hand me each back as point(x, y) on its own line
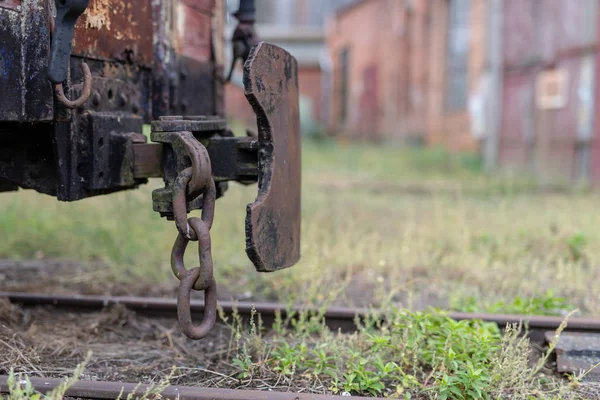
point(79, 80)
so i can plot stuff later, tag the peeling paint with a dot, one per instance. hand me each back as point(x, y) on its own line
point(98, 14)
point(116, 29)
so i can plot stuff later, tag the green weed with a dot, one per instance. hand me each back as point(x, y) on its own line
point(20, 387)
point(545, 304)
point(576, 244)
point(412, 354)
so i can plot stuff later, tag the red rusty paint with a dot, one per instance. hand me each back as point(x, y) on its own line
point(369, 104)
point(116, 30)
point(539, 36)
point(205, 6)
point(10, 3)
point(194, 40)
point(520, 47)
point(540, 31)
point(517, 125)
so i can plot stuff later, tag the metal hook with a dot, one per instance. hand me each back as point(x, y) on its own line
point(85, 94)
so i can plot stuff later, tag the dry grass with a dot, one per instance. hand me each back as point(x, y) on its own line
point(419, 227)
point(426, 355)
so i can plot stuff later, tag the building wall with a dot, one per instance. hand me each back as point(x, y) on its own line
point(385, 85)
point(553, 38)
point(309, 81)
point(405, 79)
point(237, 107)
point(397, 72)
point(298, 27)
point(455, 129)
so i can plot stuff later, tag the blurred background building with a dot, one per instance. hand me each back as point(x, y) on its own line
point(299, 27)
point(513, 81)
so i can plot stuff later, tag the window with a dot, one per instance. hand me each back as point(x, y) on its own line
point(457, 54)
point(343, 88)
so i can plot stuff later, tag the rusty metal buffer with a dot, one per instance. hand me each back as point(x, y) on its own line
point(80, 78)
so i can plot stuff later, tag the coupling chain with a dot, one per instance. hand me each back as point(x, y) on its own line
point(190, 183)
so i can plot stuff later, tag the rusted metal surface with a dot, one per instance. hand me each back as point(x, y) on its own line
point(85, 91)
point(192, 182)
point(114, 390)
point(11, 101)
point(183, 60)
point(234, 158)
point(184, 312)
point(576, 352)
point(231, 158)
point(119, 64)
point(148, 160)
point(37, 90)
point(273, 220)
point(195, 124)
point(197, 177)
point(177, 133)
point(202, 233)
point(29, 150)
point(116, 30)
point(63, 28)
point(118, 88)
point(145, 57)
point(101, 160)
point(188, 178)
point(537, 322)
point(7, 186)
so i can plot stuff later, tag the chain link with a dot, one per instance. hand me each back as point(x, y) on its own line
point(192, 182)
point(204, 254)
point(184, 313)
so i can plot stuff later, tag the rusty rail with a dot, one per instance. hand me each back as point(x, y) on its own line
point(112, 390)
point(335, 317)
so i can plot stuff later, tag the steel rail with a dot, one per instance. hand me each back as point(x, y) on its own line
point(335, 317)
point(112, 390)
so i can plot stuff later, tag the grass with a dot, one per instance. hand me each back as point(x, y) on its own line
point(406, 228)
point(21, 388)
point(420, 227)
point(420, 355)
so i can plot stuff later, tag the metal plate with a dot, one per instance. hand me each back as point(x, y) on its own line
point(273, 220)
point(119, 30)
point(577, 351)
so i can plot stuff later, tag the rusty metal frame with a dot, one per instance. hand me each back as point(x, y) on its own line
point(139, 71)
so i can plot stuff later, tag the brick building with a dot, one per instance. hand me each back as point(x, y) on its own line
point(512, 80)
point(403, 70)
point(456, 64)
point(378, 50)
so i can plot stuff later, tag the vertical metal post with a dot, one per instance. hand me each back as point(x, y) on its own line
point(496, 82)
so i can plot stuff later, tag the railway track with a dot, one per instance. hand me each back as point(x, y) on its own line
point(581, 344)
point(113, 390)
point(335, 317)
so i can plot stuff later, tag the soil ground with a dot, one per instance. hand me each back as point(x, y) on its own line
point(126, 347)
